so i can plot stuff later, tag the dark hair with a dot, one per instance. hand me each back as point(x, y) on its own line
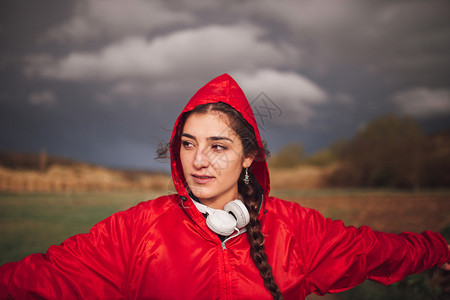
point(250, 192)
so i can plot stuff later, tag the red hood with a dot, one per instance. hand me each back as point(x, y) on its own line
point(221, 89)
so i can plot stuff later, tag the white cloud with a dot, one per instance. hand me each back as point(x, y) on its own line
point(293, 94)
point(379, 37)
point(115, 18)
point(422, 102)
point(207, 50)
point(45, 98)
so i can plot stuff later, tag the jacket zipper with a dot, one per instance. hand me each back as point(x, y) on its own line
point(225, 256)
point(226, 262)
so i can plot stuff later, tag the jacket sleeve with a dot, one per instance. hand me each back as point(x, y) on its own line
point(338, 257)
point(86, 266)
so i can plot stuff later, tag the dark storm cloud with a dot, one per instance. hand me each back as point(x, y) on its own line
point(389, 38)
point(100, 80)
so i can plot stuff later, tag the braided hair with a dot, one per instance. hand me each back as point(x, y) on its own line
point(251, 192)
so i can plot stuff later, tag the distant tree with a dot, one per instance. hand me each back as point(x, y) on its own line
point(436, 171)
point(326, 156)
point(389, 151)
point(289, 156)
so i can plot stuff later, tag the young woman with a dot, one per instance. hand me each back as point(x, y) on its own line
point(221, 236)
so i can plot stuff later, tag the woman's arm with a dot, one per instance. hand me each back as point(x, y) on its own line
point(90, 265)
point(340, 257)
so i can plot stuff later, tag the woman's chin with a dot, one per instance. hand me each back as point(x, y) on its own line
point(201, 192)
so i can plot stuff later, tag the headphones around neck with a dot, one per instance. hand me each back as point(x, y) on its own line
point(234, 216)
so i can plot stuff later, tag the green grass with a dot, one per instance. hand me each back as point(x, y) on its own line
point(30, 223)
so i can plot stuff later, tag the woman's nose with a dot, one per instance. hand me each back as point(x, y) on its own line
point(201, 159)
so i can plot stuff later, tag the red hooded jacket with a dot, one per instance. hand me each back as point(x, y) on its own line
point(163, 249)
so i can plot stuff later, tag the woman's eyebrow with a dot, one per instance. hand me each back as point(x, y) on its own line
point(188, 136)
point(218, 138)
point(213, 138)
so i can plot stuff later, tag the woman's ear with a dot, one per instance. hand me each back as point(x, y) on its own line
point(248, 161)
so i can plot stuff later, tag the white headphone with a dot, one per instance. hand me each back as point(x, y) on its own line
point(234, 216)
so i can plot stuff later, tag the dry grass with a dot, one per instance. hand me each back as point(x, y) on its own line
point(383, 211)
point(59, 178)
point(303, 177)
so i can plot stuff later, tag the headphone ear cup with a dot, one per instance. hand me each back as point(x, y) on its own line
point(239, 211)
point(220, 222)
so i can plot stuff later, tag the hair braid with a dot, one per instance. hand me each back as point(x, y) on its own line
point(255, 236)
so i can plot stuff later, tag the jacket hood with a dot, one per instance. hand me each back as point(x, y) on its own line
point(221, 89)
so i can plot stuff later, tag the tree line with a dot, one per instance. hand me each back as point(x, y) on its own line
point(391, 151)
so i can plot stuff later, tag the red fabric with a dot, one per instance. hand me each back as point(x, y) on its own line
point(162, 249)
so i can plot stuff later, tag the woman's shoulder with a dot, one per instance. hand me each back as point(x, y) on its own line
point(156, 205)
point(291, 211)
point(278, 205)
point(150, 209)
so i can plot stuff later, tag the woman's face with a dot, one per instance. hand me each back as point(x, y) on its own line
point(212, 157)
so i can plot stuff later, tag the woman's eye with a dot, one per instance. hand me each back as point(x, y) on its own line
point(219, 148)
point(187, 144)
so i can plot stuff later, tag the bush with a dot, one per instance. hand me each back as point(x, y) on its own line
point(289, 156)
point(389, 152)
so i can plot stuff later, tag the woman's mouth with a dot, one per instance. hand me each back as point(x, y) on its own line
point(202, 179)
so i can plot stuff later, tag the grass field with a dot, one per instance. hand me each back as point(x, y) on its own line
point(30, 223)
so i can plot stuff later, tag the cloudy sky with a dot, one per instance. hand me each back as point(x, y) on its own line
point(103, 81)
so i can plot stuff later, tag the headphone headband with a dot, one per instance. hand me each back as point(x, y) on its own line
point(224, 222)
